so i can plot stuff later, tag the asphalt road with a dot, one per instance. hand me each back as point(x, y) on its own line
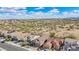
point(9, 47)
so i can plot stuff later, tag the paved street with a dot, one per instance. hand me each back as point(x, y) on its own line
point(9, 47)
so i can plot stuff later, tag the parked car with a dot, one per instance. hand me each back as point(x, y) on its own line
point(2, 40)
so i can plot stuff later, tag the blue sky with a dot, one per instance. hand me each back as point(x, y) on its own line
point(38, 12)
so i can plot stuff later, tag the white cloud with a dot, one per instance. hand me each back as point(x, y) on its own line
point(54, 11)
point(39, 8)
point(4, 9)
point(12, 12)
point(41, 14)
point(12, 9)
point(17, 13)
point(17, 8)
point(21, 13)
point(38, 13)
point(76, 11)
point(73, 13)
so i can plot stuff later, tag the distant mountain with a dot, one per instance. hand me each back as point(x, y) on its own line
point(71, 18)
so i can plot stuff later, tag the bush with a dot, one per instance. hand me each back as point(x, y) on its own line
point(52, 34)
point(7, 39)
point(68, 29)
point(70, 36)
point(71, 27)
point(23, 44)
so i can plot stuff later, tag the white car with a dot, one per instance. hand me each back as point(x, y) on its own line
point(2, 40)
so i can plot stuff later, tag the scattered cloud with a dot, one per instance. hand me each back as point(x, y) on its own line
point(76, 11)
point(23, 13)
point(73, 13)
point(12, 10)
point(54, 11)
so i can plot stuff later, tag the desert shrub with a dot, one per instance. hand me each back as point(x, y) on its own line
point(23, 44)
point(61, 27)
point(52, 34)
point(7, 39)
point(8, 36)
point(2, 34)
point(70, 36)
point(20, 40)
point(71, 27)
point(68, 29)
